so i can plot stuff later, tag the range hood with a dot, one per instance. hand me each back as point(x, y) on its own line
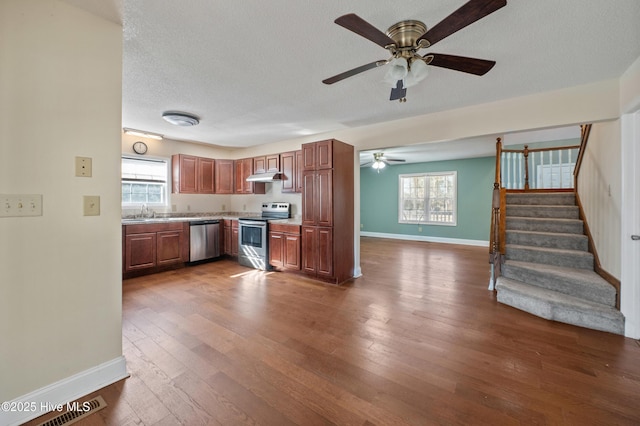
point(265, 177)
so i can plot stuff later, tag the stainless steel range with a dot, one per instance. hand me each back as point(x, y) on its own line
point(253, 235)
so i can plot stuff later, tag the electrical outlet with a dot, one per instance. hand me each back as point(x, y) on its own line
point(83, 167)
point(419, 228)
point(16, 205)
point(362, 226)
point(224, 208)
point(91, 205)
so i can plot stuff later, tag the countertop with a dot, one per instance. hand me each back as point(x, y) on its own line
point(220, 216)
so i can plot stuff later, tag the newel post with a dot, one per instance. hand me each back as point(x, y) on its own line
point(494, 243)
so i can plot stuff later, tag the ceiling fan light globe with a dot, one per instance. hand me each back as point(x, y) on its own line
point(419, 71)
point(398, 70)
point(378, 165)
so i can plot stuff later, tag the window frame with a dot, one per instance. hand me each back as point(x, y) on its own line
point(427, 175)
point(167, 183)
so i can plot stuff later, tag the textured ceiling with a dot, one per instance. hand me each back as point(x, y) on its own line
point(252, 70)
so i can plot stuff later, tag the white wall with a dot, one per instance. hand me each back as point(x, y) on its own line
point(599, 188)
point(60, 283)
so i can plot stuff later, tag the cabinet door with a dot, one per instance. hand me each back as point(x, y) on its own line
point(298, 171)
point(227, 239)
point(324, 197)
point(206, 175)
point(259, 164)
point(325, 252)
point(309, 249)
point(169, 247)
point(324, 154)
point(276, 252)
point(308, 156)
point(292, 251)
point(288, 162)
point(273, 163)
point(140, 251)
point(224, 177)
point(309, 198)
point(234, 238)
point(185, 171)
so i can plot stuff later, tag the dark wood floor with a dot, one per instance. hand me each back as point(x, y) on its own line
point(416, 340)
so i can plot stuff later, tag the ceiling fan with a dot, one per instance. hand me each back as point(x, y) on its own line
point(404, 39)
point(380, 161)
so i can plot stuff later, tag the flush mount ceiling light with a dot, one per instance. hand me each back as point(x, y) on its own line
point(181, 118)
point(142, 134)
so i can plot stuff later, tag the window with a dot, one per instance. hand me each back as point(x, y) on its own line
point(144, 181)
point(428, 198)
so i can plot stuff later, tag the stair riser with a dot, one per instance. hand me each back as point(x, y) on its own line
point(564, 285)
point(567, 242)
point(568, 199)
point(550, 311)
point(560, 212)
point(568, 260)
point(544, 226)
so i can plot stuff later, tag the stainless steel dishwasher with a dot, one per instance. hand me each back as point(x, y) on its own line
point(204, 240)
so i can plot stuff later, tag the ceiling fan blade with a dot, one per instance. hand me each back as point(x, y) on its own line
point(391, 160)
point(467, 14)
point(361, 27)
point(460, 63)
point(354, 71)
point(366, 164)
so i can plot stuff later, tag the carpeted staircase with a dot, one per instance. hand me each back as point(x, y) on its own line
point(548, 271)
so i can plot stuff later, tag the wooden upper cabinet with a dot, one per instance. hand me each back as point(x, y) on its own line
point(266, 163)
point(224, 177)
point(324, 154)
point(206, 175)
point(317, 155)
point(260, 164)
point(244, 169)
point(298, 171)
point(192, 175)
point(288, 163)
point(273, 163)
point(185, 174)
point(324, 197)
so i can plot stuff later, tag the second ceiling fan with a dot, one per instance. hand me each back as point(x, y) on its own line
point(404, 39)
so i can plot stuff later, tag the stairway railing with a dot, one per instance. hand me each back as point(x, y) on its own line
point(553, 168)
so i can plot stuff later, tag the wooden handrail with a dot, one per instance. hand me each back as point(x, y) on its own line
point(585, 131)
point(556, 148)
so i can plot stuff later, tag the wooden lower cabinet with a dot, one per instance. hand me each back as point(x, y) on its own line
point(284, 247)
point(230, 232)
point(317, 251)
point(154, 247)
point(140, 251)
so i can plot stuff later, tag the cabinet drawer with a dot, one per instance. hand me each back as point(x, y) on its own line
point(286, 228)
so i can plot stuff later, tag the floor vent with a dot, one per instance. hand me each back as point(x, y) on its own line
point(79, 410)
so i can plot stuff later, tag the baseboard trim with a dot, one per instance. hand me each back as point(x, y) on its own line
point(461, 241)
point(64, 391)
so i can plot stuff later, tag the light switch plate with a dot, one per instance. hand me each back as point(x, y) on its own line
point(91, 205)
point(83, 167)
point(17, 205)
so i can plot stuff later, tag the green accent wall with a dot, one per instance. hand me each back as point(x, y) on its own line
point(379, 199)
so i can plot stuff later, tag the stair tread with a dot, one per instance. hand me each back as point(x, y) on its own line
point(562, 299)
point(585, 276)
point(550, 234)
point(537, 206)
point(545, 219)
point(551, 250)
